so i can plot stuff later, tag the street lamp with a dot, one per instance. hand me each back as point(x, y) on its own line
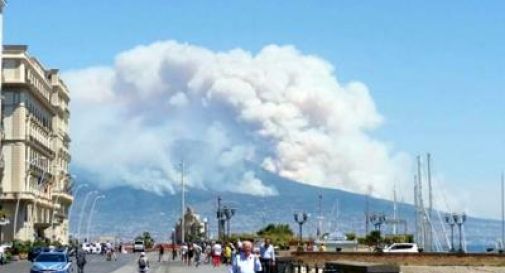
point(173, 237)
point(300, 218)
point(90, 217)
point(460, 219)
point(228, 213)
point(450, 220)
point(81, 216)
point(79, 187)
point(377, 220)
point(205, 228)
point(56, 203)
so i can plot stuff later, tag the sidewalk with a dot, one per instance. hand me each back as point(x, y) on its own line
point(170, 267)
point(178, 267)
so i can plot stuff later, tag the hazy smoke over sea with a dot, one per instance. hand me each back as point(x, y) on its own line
point(224, 112)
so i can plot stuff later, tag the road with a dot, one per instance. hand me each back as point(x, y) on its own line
point(125, 264)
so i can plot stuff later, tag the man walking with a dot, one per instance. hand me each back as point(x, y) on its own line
point(80, 260)
point(267, 256)
point(245, 261)
point(161, 253)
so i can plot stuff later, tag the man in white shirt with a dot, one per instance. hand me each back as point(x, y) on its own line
point(267, 256)
point(245, 262)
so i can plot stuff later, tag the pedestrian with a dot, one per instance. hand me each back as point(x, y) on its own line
point(216, 254)
point(246, 261)
point(227, 253)
point(322, 248)
point(161, 253)
point(184, 253)
point(267, 256)
point(143, 262)
point(191, 253)
point(80, 260)
point(208, 253)
point(198, 254)
point(174, 252)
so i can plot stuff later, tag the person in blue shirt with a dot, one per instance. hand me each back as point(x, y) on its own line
point(267, 256)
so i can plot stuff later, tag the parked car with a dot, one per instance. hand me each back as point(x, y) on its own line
point(402, 248)
point(54, 262)
point(139, 246)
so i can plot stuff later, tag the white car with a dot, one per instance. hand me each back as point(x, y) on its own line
point(92, 248)
point(138, 246)
point(402, 248)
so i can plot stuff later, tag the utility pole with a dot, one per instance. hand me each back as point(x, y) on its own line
point(421, 203)
point(221, 219)
point(416, 204)
point(367, 211)
point(502, 211)
point(430, 204)
point(395, 215)
point(183, 205)
point(320, 220)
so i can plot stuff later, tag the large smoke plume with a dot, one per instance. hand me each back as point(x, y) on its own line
point(224, 113)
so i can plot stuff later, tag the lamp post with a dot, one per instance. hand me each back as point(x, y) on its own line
point(228, 213)
point(300, 218)
point(377, 220)
point(90, 217)
point(173, 237)
point(205, 228)
point(450, 220)
point(79, 187)
point(62, 190)
point(81, 216)
point(460, 219)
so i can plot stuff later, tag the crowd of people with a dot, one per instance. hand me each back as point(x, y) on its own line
point(240, 256)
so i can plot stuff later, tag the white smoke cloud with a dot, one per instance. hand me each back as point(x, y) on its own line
point(279, 109)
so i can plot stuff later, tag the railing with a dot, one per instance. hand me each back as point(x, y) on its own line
point(288, 265)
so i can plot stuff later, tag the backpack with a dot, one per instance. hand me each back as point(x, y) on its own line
point(142, 263)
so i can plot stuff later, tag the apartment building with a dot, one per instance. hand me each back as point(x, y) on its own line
point(35, 188)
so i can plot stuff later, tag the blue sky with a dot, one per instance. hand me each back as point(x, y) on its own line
point(436, 69)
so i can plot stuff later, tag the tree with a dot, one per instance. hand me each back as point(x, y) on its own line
point(280, 234)
point(351, 236)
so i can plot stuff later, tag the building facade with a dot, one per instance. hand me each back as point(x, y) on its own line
point(36, 185)
point(195, 228)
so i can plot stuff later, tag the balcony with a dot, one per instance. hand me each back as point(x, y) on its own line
point(63, 196)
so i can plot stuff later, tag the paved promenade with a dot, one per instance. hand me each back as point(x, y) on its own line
point(125, 264)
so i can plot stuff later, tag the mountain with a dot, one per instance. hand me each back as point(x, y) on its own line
point(126, 212)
